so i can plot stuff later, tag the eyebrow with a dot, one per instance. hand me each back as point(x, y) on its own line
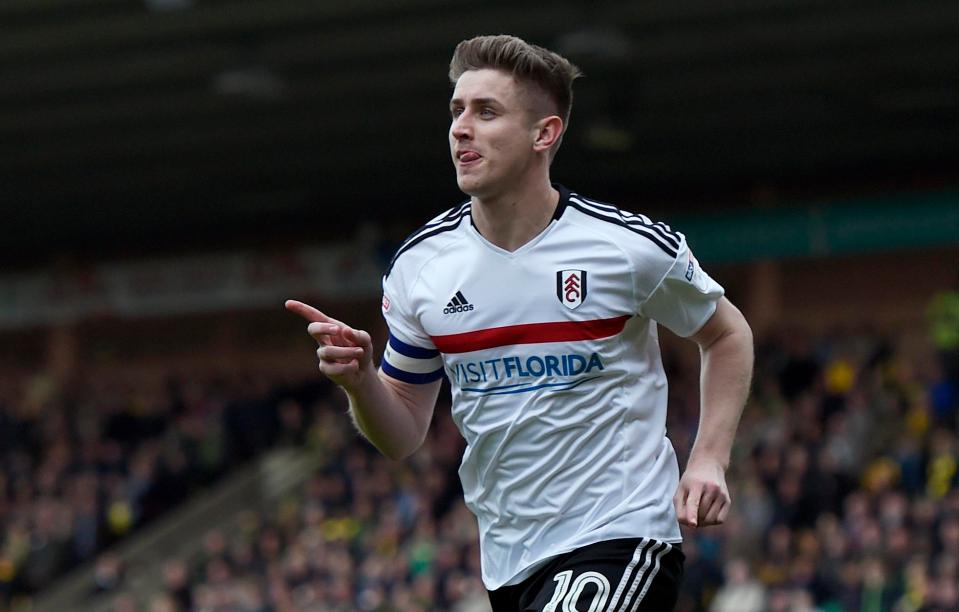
point(476, 101)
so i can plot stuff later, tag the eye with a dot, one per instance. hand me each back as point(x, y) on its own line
point(487, 112)
point(456, 111)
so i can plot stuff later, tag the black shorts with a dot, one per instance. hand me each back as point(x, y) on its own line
point(630, 575)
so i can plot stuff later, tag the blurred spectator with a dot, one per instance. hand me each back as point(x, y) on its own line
point(944, 318)
point(741, 592)
point(176, 581)
point(107, 573)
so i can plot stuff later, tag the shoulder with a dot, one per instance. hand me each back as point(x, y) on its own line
point(431, 237)
point(632, 231)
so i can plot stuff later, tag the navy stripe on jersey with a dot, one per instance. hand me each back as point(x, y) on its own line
point(635, 219)
point(454, 213)
point(411, 377)
point(448, 221)
point(643, 230)
point(411, 351)
point(659, 225)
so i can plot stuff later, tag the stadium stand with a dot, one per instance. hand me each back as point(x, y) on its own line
point(87, 463)
point(844, 480)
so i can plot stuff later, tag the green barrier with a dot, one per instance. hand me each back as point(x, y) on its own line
point(835, 228)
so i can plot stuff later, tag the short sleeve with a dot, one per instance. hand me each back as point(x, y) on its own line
point(686, 296)
point(410, 354)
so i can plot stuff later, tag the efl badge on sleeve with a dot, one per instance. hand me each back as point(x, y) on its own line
point(571, 287)
point(691, 267)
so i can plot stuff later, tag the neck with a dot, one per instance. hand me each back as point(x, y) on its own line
point(512, 219)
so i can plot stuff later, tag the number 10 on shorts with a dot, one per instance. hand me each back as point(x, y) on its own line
point(568, 594)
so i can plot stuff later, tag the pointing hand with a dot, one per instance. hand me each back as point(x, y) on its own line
point(345, 354)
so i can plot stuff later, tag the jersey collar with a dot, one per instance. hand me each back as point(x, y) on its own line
point(560, 206)
point(563, 201)
point(557, 213)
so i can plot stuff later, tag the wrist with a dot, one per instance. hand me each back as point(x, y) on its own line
point(358, 386)
point(708, 456)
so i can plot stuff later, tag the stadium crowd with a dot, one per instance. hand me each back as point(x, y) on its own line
point(364, 533)
point(844, 484)
point(84, 463)
point(843, 479)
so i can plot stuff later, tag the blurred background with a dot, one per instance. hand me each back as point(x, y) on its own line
point(172, 170)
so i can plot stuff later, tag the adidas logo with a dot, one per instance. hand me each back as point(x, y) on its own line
point(459, 303)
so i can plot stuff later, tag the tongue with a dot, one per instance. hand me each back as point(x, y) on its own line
point(468, 157)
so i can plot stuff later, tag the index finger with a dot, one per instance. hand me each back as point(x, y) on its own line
point(308, 312)
point(692, 504)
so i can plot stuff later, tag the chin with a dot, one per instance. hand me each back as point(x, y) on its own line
point(469, 185)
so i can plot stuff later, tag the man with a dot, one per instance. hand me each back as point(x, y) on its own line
point(541, 307)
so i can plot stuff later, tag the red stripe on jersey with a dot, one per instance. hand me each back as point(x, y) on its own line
point(530, 333)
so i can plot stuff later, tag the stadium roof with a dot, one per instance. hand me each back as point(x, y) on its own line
point(129, 122)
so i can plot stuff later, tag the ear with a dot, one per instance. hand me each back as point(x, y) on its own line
point(548, 131)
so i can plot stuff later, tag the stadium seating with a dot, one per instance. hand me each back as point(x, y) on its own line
point(843, 480)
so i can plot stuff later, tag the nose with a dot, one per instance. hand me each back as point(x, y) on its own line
point(461, 129)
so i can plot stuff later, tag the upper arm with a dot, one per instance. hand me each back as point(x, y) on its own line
point(726, 320)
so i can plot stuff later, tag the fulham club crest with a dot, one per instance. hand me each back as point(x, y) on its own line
point(571, 287)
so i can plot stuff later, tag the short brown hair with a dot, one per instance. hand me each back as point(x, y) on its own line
point(551, 72)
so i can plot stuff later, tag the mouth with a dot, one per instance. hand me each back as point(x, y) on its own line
point(467, 157)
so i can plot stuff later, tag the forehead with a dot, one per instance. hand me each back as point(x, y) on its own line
point(487, 83)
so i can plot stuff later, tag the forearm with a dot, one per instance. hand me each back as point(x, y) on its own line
point(393, 421)
point(727, 365)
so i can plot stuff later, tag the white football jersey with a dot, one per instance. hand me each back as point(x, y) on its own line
point(553, 359)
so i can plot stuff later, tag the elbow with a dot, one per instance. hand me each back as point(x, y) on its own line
point(747, 333)
point(396, 454)
point(397, 450)
point(391, 449)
